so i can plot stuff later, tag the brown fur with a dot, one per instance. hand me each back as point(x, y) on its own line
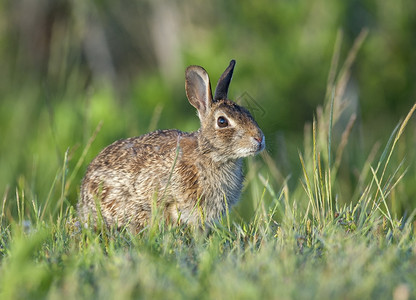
point(190, 176)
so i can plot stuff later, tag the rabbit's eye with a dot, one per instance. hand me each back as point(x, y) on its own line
point(222, 122)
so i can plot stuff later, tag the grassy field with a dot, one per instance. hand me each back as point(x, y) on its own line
point(287, 250)
point(318, 239)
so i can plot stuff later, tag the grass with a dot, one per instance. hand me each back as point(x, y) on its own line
point(307, 242)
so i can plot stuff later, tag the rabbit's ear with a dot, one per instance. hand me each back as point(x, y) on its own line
point(221, 90)
point(198, 89)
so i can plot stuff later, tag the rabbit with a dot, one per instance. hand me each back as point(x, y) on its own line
point(192, 178)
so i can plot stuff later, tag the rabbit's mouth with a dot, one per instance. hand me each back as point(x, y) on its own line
point(257, 145)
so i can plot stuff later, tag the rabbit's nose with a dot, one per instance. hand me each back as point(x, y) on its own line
point(261, 141)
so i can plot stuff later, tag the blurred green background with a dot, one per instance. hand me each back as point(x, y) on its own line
point(67, 65)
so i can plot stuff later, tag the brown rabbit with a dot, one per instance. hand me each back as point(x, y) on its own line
point(192, 177)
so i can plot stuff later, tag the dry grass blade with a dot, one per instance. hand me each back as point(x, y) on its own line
point(345, 72)
point(6, 193)
point(334, 63)
point(376, 204)
point(397, 137)
point(344, 141)
point(366, 169)
point(308, 188)
point(157, 112)
point(82, 158)
point(404, 123)
point(343, 77)
point(274, 171)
